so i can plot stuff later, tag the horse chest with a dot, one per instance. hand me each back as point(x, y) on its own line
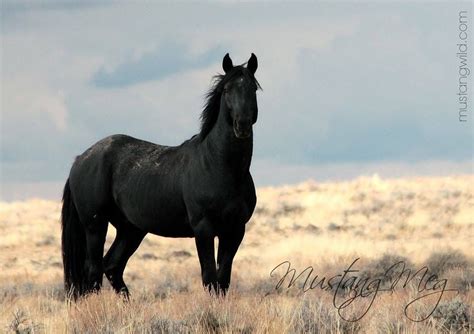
point(232, 208)
point(235, 211)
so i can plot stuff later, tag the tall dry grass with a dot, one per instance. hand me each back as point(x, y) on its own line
point(424, 221)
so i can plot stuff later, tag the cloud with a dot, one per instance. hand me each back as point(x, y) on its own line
point(367, 97)
point(34, 118)
point(26, 99)
point(166, 60)
point(17, 6)
point(342, 83)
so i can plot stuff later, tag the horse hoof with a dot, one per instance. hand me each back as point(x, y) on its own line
point(124, 294)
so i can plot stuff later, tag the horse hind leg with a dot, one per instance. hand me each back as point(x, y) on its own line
point(96, 231)
point(125, 244)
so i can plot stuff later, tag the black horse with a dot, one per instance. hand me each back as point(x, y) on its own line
point(201, 188)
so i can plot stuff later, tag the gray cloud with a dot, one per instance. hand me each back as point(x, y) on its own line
point(382, 92)
point(168, 59)
point(343, 84)
point(18, 6)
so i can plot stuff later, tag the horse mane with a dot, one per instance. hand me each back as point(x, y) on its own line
point(213, 97)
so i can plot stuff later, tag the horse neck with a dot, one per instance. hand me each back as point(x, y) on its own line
point(230, 152)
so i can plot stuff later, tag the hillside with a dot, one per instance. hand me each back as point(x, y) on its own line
point(422, 221)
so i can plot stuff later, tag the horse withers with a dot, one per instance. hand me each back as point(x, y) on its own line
point(200, 189)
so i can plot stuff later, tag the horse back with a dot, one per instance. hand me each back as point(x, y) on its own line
point(119, 173)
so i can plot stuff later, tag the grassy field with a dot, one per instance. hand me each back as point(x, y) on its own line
point(422, 221)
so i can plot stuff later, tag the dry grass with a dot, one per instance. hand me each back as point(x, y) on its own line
point(426, 221)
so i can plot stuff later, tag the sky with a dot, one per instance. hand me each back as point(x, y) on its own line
point(349, 88)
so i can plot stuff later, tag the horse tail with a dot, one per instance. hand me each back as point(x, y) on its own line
point(73, 243)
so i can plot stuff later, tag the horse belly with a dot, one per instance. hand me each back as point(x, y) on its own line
point(173, 228)
point(168, 222)
point(155, 207)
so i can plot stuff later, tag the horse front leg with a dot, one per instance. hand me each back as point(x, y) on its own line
point(204, 236)
point(228, 245)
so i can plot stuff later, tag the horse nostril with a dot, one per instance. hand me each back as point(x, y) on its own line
point(244, 124)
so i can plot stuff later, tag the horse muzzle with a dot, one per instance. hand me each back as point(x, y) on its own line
point(242, 129)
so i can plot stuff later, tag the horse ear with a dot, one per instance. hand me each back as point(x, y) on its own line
point(252, 64)
point(227, 63)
